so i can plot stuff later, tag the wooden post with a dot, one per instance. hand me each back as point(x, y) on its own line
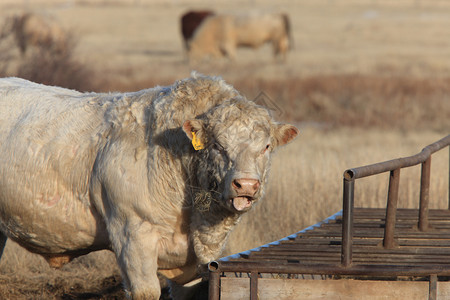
point(254, 285)
point(432, 294)
point(214, 285)
point(391, 209)
point(347, 222)
point(424, 195)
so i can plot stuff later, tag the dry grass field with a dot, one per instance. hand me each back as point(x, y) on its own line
point(367, 81)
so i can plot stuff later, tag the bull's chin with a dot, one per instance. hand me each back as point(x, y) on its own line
point(242, 203)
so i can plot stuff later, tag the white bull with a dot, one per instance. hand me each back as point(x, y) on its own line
point(33, 30)
point(159, 176)
point(220, 35)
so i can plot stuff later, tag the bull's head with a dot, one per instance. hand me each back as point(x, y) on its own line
point(234, 142)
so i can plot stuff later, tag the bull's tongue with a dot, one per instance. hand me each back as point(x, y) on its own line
point(241, 203)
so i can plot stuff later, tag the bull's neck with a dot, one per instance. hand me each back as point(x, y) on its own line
point(210, 230)
point(211, 223)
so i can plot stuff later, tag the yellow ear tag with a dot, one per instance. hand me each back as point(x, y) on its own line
point(198, 145)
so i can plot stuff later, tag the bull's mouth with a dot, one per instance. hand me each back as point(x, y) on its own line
point(242, 203)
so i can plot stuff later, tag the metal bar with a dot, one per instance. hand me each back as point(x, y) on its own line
point(391, 210)
point(432, 292)
point(347, 222)
point(424, 195)
point(214, 281)
point(330, 269)
point(254, 285)
point(397, 163)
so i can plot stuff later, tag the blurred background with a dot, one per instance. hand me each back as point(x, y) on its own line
point(364, 80)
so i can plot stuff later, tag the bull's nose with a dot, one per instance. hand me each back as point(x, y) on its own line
point(246, 186)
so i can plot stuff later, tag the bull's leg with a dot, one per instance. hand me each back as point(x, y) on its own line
point(229, 50)
point(280, 48)
point(186, 291)
point(3, 239)
point(181, 275)
point(135, 246)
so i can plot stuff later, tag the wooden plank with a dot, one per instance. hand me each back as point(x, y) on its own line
point(379, 232)
point(322, 245)
point(381, 212)
point(443, 290)
point(401, 223)
point(239, 288)
point(320, 249)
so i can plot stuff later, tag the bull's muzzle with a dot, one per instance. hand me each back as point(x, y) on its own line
point(245, 190)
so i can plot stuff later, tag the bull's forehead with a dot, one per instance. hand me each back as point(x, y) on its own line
point(245, 132)
point(239, 121)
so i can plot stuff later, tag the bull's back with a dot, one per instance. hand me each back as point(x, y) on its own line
point(257, 29)
point(48, 143)
point(21, 99)
point(39, 114)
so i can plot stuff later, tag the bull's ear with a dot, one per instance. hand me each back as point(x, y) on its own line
point(194, 131)
point(191, 126)
point(285, 133)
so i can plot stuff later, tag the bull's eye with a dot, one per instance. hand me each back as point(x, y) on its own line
point(265, 149)
point(219, 150)
point(219, 147)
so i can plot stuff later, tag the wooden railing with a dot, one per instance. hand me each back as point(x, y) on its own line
point(394, 167)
